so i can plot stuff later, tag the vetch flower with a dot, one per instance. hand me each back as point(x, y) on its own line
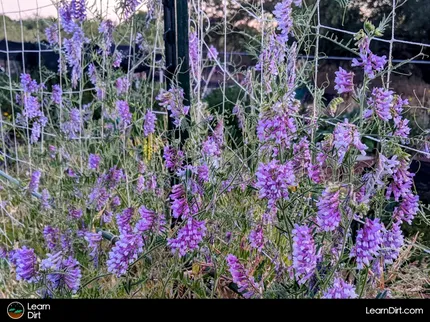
point(150, 221)
point(52, 237)
point(51, 33)
point(344, 81)
point(45, 200)
point(329, 213)
point(179, 204)
point(25, 261)
point(123, 220)
point(246, 283)
point(149, 124)
point(57, 92)
point(392, 242)
point(304, 253)
point(273, 180)
point(256, 238)
point(189, 237)
point(368, 243)
point(93, 161)
point(34, 181)
point(408, 208)
point(126, 250)
point(370, 62)
point(380, 102)
point(122, 85)
point(124, 113)
point(173, 157)
point(93, 240)
point(346, 135)
point(173, 100)
point(340, 290)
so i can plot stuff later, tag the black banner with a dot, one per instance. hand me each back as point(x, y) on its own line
point(139, 309)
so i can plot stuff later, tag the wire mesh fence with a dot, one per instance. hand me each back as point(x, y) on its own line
point(67, 95)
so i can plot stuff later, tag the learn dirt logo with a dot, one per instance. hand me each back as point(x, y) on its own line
point(15, 310)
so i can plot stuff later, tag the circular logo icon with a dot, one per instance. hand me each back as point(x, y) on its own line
point(15, 310)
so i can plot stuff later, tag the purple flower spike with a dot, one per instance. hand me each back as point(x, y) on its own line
point(124, 113)
point(246, 283)
point(304, 254)
point(179, 205)
point(188, 238)
point(380, 102)
point(392, 243)
point(125, 252)
point(369, 240)
point(340, 290)
point(93, 161)
point(25, 261)
point(34, 181)
point(344, 81)
point(273, 180)
point(329, 214)
point(149, 124)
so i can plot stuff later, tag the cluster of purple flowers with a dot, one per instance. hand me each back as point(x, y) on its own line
point(180, 207)
point(66, 272)
point(173, 157)
point(274, 179)
point(94, 240)
point(189, 237)
point(123, 220)
point(329, 213)
point(340, 290)
point(211, 147)
point(129, 7)
point(194, 53)
point(346, 135)
point(126, 250)
point(104, 188)
point(73, 50)
point(304, 253)
point(123, 111)
point(401, 124)
point(246, 283)
point(52, 237)
point(25, 261)
point(149, 124)
point(392, 241)
point(256, 238)
point(380, 102)
point(117, 59)
point(32, 113)
point(93, 161)
point(45, 200)
point(57, 93)
point(150, 221)
point(276, 127)
point(370, 62)
point(344, 81)
point(33, 186)
point(51, 33)
point(173, 100)
point(73, 127)
point(283, 14)
point(106, 29)
point(368, 244)
point(122, 84)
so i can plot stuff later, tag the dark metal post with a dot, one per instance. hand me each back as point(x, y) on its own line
point(177, 54)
